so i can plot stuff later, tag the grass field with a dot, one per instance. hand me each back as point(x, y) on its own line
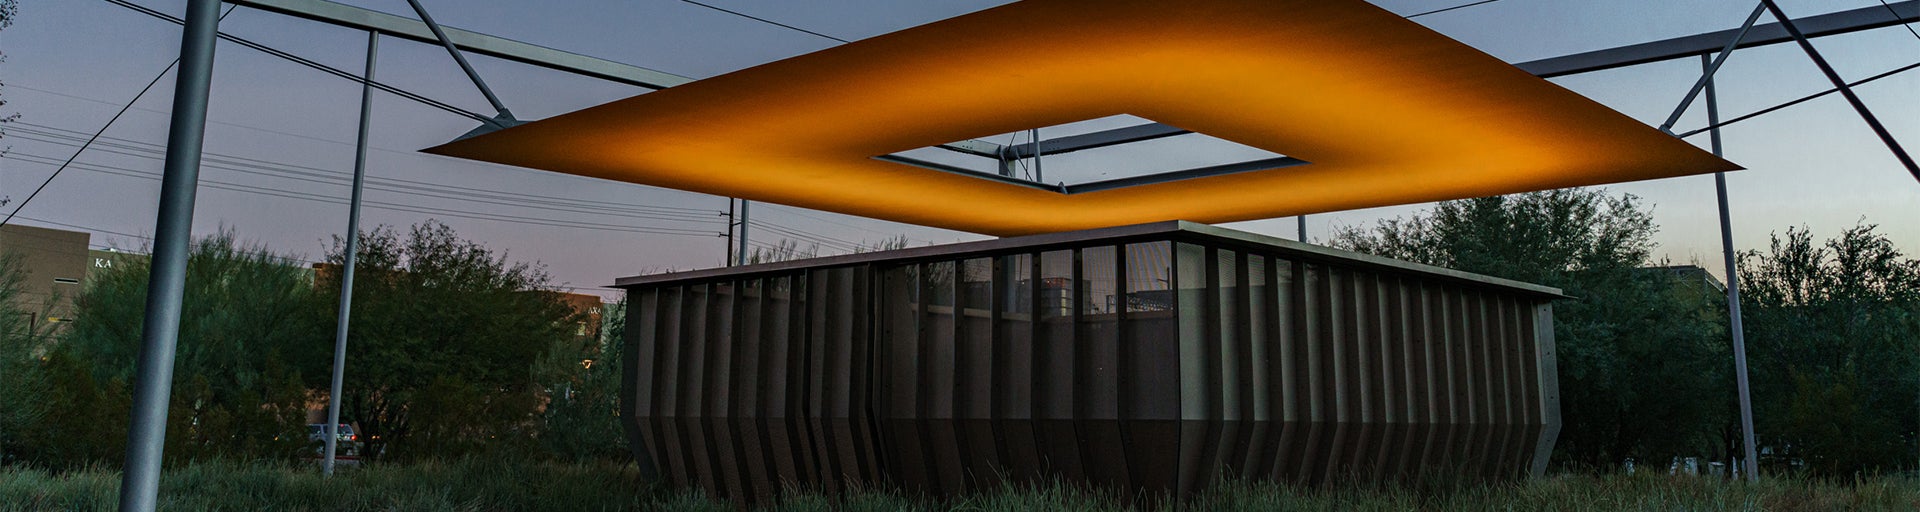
point(486, 485)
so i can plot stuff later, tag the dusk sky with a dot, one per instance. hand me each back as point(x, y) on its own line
point(280, 140)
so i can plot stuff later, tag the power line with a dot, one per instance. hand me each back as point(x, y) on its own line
point(570, 205)
point(137, 149)
point(516, 219)
point(17, 85)
point(315, 65)
point(795, 211)
point(764, 20)
point(1896, 15)
point(823, 240)
point(1438, 11)
point(829, 242)
point(1797, 101)
point(503, 200)
point(221, 162)
point(47, 134)
point(102, 130)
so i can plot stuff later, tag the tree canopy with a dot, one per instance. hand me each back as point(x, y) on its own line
point(246, 310)
point(454, 349)
point(21, 388)
point(1835, 363)
point(443, 333)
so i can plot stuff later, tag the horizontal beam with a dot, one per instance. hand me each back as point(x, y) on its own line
point(1855, 20)
point(1095, 186)
point(296, 59)
point(1201, 172)
point(1864, 18)
point(975, 148)
point(937, 166)
point(1099, 139)
point(408, 28)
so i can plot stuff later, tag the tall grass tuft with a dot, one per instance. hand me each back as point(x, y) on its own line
point(501, 484)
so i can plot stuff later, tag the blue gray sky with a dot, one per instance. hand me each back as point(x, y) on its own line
point(280, 142)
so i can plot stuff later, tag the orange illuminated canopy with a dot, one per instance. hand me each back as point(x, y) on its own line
point(1376, 109)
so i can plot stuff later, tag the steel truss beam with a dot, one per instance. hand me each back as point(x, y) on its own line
point(408, 28)
point(1865, 18)
point(1799, 36)
point(1835, 23)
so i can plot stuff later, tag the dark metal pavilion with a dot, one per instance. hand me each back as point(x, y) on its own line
point(1159, 356)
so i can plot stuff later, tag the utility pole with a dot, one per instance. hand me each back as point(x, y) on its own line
point(1038, 177)
point(352, 256)
point(172, 237)
point(726, 250)
point(741, 257)
point(1735, 326)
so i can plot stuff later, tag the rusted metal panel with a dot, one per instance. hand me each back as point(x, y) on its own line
point(1161, 361)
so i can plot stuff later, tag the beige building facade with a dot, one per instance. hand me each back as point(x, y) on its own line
point(53, 264)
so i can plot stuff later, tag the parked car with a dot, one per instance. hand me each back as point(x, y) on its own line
point(347, 448)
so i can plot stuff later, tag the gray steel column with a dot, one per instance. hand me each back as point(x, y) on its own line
point(172, 237)
point(352, 254)
point(1712, 66)
point(1037, 176)
point(1734, 324)
point(1893, 145)
point(741, 257)
point(1303, 227)
point(505, 118)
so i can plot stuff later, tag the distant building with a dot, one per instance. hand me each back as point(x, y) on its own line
point(1693, 278)
point(53, 265)
point(589, 307)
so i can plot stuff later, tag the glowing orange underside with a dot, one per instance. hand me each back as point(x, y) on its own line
point(1387, 111)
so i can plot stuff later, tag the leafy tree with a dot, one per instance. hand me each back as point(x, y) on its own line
point(233, 391)
point(785, 250)
point(1640, 357)
point(443, 337)
point(1835, 364)
point(788, 249)
point(22, 386)
point(582, 379)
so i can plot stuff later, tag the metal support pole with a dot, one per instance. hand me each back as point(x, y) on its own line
point(1845, 90)
point(741, 257)
point(1303, 228)
point(172, 238)
point(1735, 326)
point(1711, 68)
point(1037, 176)
point(505, 118)
point(351, 256)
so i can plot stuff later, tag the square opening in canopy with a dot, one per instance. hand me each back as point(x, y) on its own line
point(1093, 155)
